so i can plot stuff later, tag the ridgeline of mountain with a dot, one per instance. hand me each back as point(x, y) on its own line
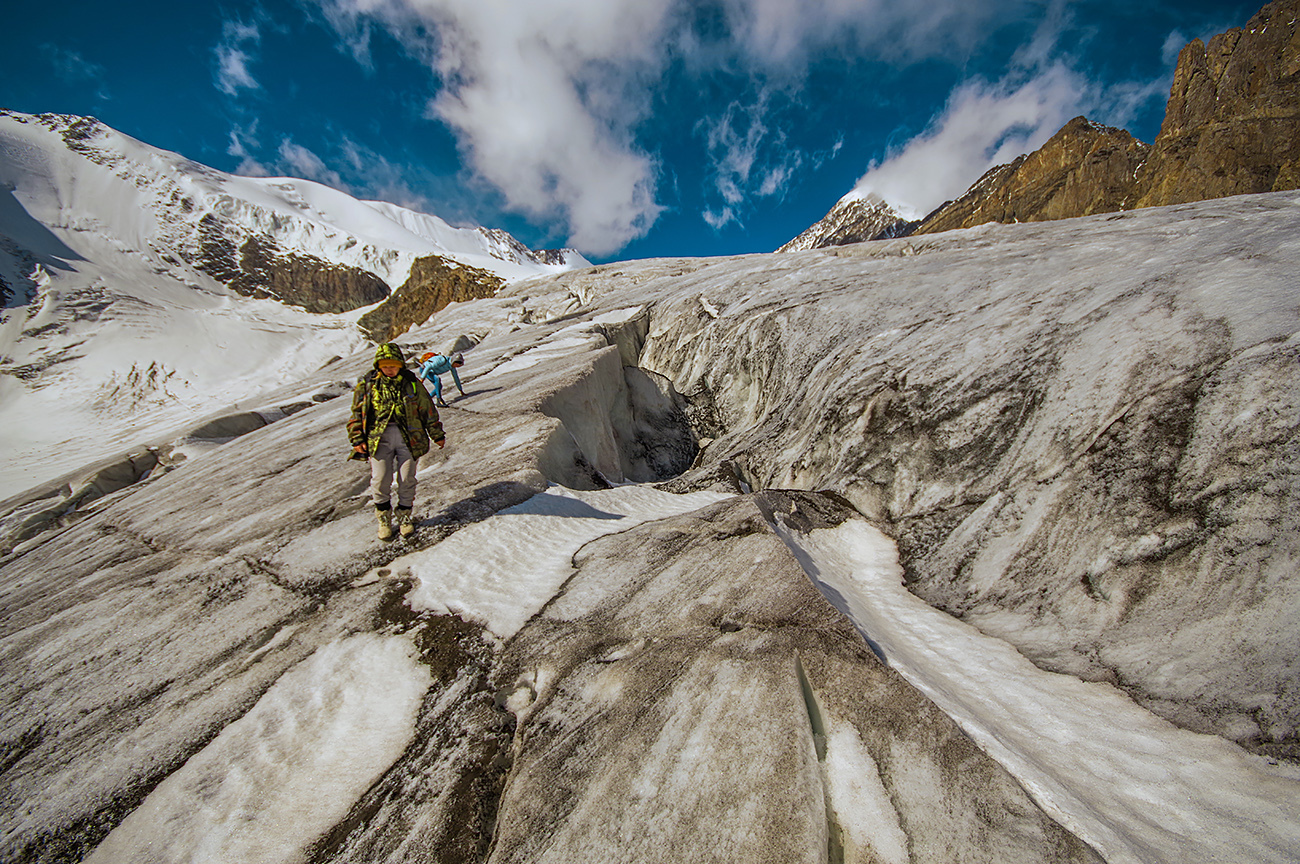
point(287, 239)
point(434, 283)
point(126, 271)
point(1232, 127)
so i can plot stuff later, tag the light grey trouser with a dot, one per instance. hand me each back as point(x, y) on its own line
point(392, 456)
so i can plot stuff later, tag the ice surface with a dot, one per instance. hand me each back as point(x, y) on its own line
point(276, 779)
point(502, 572)
point(1134, 786)
point(1128, 517)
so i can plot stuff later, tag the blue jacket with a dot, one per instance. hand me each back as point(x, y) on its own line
point(435, 366)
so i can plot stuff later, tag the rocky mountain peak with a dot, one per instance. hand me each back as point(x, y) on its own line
point(1232, 127)
point(1084, 168)
point(853, 219)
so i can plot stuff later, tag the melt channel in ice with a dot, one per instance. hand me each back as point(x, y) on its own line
point(1132, 785)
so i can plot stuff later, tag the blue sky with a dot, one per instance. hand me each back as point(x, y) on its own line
point(627, 128)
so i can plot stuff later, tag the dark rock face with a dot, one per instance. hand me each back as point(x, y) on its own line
point(304, 280)
point(260, 268)
point(1085, 168)
point(1232, 126)
point(434, 282)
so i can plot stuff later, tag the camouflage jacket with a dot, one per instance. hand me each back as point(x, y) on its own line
point(417, 417)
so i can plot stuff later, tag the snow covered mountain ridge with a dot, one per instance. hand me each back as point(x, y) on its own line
point(180, 204)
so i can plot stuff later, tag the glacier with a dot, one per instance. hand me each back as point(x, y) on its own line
point(973, 547)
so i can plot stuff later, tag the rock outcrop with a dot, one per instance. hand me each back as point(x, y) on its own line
point(306, 281)
point(434, 282)
point(1232, 127)
point(1085, 168)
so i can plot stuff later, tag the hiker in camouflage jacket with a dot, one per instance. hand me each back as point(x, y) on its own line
point(393, 420)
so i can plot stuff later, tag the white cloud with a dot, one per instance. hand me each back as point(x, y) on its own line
point(543, 97)
point(985, 124)
point(546, 96)
point(302, 162)
point(982, 125)
point(71, 67)
point(233, 57)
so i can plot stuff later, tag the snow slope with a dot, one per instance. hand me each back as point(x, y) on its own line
point(111, 338)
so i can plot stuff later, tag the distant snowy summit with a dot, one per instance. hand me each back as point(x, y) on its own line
point(854, 219)
point(287, 239)
point(1232, 127)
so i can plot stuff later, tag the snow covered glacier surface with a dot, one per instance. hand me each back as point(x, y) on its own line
point(1075, 441)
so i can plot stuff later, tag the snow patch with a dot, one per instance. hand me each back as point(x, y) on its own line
point(502, 571)
point(281, 776)
point(1130, 784)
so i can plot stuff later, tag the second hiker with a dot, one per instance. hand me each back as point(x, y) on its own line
point(392, 422)
point(437, 365)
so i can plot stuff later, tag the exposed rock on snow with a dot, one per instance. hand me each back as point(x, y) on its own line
point(434, 282)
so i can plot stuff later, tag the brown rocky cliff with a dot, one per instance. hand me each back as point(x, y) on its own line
point(1232, 125)
point(304, 280)
point(1084, 168)
point(434, 282)
point(257, 267)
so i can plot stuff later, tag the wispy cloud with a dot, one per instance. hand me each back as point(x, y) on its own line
point(234, 54)
point(243, 141)
point(547, 97)
point(72, 68)
point(747, 158)
point(347, 166)
point(780, 33)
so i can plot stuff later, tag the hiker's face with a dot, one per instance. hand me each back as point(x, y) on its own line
point(390, 367)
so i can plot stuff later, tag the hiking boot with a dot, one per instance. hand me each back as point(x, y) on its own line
point(404, 522)
point(385, 524)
